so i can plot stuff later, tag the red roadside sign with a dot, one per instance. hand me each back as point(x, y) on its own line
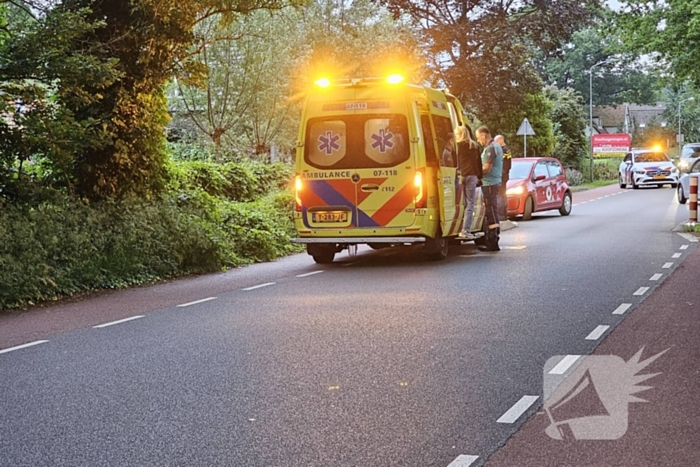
point(611, 145)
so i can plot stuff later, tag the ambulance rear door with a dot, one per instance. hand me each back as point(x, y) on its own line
point(360, 148)
point(448, 180)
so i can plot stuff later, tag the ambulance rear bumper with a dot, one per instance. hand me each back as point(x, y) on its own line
point(357, 240)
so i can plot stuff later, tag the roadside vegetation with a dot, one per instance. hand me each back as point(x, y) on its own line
point(122, 163)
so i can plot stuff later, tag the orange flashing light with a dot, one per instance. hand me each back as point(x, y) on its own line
point(322, 82)
point(394, 79)
point(298, 187)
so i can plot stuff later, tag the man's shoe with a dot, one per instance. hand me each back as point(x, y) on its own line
point(464, 235)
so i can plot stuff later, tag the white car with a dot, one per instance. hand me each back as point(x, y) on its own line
point(684, 182)
point(647, 167)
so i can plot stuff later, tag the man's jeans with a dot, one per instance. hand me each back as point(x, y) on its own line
point(469, 192)
point(491, 195)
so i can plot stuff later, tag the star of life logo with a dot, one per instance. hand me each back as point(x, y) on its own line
point(329, 142)
point(591, 403)
point(382, 140)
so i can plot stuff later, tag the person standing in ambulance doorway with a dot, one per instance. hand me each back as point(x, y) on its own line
point(470, 171)
point(503, 199)
point(492, 167)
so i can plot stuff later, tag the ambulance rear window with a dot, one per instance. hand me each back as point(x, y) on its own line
point(356, 141)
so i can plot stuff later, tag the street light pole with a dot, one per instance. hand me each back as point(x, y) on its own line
point(679, 119)
point(590, 95)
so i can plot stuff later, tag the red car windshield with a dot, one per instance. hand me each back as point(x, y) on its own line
point(520, 170)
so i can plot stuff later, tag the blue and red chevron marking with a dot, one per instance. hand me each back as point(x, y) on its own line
point(333, 193)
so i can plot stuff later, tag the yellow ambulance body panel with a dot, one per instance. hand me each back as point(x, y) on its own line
point(369, 169)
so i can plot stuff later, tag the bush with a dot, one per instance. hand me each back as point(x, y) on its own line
point(574, 177)
point(62, 248)
point(606, 169)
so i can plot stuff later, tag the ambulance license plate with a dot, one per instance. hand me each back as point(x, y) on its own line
point(329, 216)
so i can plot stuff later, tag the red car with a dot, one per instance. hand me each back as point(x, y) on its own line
point(537, 184)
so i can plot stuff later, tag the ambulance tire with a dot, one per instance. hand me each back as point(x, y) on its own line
point(436, 248)
point(325, 257)
point(322, 253)
point(529, 207)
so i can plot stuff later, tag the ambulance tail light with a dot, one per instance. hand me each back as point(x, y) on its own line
point(298, 186)
point(421, 199)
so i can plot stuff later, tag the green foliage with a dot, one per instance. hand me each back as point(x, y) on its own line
point(568, 126)
point(574, 177)
point(623, 79)
point(55, 250)
point(668, 31)
point(537, 108)
point(606, 169)
point(483, 49)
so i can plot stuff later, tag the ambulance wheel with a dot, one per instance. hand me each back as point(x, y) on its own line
point(321, 253)
point(325, 257)
point(436, 248)
point(529, 207)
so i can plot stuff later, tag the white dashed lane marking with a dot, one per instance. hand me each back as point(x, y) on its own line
point(23, 346)
point(684, 247)
point(518, 409)
point(259, 286)
point(676, 255)
point(667, 266)
point(463, 461)
point(309, 274)
point(112, 323)
point(597, 332)
point(641, 291)
point(655, 277)
point(564, 365)
point(197, 301)
point(622, 308)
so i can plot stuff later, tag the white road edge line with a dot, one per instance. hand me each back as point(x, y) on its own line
point(259, 286)
point(197, 301)
point(622, 308)
point(117, 322)
point(684, 247)
point(517, 410)
point(667, 266)
point(597, 332)
point(656, 277)
point(310, 274)
point(463, 461)
point(676, 255)
point(561, 367)
point(641, 291)
point(23, 346)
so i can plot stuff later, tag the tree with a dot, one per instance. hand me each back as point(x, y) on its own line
point(621, 80)
point(254, 81)
point(568, 125)
point(537, 108)
point(667, 30)
point(483, 50)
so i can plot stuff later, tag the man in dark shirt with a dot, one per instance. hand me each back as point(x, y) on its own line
point(503, 201)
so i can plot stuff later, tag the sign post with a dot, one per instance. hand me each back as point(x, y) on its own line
point(525, 130)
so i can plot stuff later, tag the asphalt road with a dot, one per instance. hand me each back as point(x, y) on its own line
point(382, 359)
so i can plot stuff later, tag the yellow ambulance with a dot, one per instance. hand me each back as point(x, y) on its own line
point(370, 168)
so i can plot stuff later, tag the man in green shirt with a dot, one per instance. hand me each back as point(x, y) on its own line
point(492, 168)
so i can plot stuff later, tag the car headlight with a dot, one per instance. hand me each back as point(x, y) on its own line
point(516, 190)
point(674, 170)
point(640, 172)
